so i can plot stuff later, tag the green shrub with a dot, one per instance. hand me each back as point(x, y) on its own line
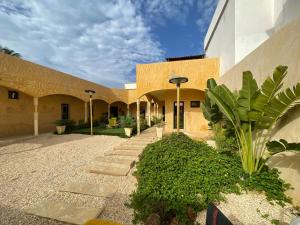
point(177, 172)
point(127, 122)
point(177, 175)
point(226, 144)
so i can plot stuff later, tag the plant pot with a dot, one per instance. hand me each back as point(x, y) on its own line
point(128, 131)
point(60, 129)
point(159, 132)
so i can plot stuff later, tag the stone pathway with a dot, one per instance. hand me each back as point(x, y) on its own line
point(117, 162)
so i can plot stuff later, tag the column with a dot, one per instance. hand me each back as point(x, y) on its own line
point(149, 113)
point(91, 114)
point(85, 112)
point(157, 110)
point(108, 111)
point(138, 121)
point(154, 109)
point(36, 116)
point(128, 113)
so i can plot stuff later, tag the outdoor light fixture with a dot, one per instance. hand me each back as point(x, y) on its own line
point(178, 80)
point(90, 93)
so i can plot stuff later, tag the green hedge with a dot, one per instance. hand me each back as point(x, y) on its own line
point(178, 176)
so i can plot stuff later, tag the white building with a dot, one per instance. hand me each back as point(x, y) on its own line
point(240, 26)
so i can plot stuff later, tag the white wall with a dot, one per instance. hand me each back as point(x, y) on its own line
point(222, 43)
point(244, 25)
point(253, 18)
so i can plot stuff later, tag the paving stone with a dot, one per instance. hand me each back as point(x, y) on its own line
point(109, 170)
point(100, 190)
point(129, 147)
point(125, 153)
point(129, 161)
point(65, 212)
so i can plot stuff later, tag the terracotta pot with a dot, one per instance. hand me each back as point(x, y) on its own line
point(159, 132)
point(60, 129)
point(128, 131)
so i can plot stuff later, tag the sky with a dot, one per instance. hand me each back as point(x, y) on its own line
point(103, 40)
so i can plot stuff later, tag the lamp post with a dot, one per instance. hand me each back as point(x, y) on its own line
point(178, 80)
point(90, 93)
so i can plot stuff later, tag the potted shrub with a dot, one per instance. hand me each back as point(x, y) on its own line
point(159, 124)
point(127, 123)
point(61, 126)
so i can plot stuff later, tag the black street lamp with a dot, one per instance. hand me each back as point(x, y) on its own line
point(90, 93)
point(178, 80)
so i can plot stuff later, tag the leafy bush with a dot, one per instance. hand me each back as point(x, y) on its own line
point(226, 144)
point(268, 181)
point(127, 122)
point(178, 176)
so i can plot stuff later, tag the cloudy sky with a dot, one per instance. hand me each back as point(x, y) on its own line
point(103, 40)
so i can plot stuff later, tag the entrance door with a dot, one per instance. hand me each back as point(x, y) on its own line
point(114, 111)
point(181, 115)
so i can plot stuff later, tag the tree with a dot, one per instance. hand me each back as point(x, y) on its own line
point(8, 51)
point(254, 113)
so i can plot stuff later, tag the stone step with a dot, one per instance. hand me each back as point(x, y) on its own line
point(147, 140)
point(108, 170)
point(129, 147)
point(129, 161)
point(126, 153)
point(65, 212)
point(100, 190)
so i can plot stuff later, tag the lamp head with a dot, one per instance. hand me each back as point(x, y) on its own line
point(178, 80)
point(90, 92)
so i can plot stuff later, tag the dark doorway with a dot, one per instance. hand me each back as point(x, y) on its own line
point(64, 111)
point(114, 111)
point(181, 115)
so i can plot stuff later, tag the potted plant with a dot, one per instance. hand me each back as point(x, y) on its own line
point(159, 124)
point(127, 123)
point(61, 126)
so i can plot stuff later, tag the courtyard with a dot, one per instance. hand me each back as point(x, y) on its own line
point(33, 171)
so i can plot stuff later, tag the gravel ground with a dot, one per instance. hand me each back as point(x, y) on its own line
point(250, 209)
point(33, 171)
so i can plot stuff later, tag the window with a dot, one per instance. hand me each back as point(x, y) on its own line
point(195, 104)
point(64, 111)
point(13, 95)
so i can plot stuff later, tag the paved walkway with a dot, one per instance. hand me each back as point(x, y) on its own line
point(117, 162)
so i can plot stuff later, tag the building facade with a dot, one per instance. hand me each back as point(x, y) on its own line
point(240, 26)
point(33, 97)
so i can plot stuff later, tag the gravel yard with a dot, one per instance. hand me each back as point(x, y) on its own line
point(34, 170)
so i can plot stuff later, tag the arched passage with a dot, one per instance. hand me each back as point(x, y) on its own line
point(100, 110)
point(16, 112)
point(191, 117)
point(56, 107)
point(117, 109)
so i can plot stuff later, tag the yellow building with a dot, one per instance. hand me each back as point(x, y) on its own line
point(32, 96)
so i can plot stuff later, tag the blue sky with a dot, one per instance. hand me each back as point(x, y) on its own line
point(103, 40)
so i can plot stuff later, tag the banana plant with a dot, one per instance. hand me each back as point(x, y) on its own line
point(254, 113)
point(211, 110)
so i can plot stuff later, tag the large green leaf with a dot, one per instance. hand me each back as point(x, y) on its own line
point(210, 110)
point(226, 102)
point(269, 89)
point(249, 89)
point(279, 106)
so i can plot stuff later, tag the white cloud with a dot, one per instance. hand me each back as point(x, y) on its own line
point(159, 11)
point(98, 40)
point(206, 9)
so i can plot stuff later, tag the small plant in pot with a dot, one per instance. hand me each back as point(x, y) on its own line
point(159, 124)
point(61, 126)
point(127, 122)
